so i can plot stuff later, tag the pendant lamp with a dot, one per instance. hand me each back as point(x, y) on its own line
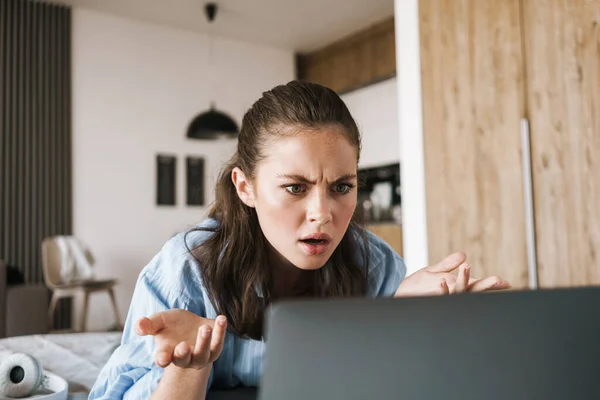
point(212, 124)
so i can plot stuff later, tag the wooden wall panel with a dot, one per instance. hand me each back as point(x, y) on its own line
point(562, 41)
point(359, 60)
point(472, 82)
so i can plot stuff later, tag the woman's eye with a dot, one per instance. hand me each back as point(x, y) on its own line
point(343, 188)
point(295, 189)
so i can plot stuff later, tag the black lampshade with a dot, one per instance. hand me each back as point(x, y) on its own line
point(212, 124)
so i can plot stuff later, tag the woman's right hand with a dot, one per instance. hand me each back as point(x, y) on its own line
point(184, 338)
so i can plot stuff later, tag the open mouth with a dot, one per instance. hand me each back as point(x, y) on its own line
point(314, 241)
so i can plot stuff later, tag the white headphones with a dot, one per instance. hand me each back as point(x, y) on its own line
point(21, 375)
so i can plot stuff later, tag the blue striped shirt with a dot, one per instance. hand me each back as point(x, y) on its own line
point(172, 280)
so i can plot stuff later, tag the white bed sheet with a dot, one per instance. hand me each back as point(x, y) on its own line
point(76, 357)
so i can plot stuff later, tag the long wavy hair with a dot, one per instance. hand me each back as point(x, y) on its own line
point(234, 261)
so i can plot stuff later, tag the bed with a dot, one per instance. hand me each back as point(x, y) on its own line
point(76, 357)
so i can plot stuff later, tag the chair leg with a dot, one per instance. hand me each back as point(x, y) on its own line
point(84, 308)
point(118, 324)
point(51, 310)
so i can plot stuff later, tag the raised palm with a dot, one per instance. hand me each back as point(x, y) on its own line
point(438, 279)
point(184, 338)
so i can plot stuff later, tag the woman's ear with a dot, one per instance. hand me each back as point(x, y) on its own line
point(243, 186)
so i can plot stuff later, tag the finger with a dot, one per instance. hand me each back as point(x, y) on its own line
point(444, 287)
point(218, 337)
point(201, 352)
point(150, 326)
point(489, 283)
point(163, 356)
point(449, 278)
point(182, 356)
point(462, 280)
point(449, 263)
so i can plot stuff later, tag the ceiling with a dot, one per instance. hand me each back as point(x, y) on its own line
point(299, 25)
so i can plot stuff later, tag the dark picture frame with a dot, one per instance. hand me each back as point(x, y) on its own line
point(166, 174)
point(195, 180)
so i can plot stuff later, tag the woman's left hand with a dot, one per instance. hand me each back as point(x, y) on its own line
point(438, 279)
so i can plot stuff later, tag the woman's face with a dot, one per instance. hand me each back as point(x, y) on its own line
point(304, 193)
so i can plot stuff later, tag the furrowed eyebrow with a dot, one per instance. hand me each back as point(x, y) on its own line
point(345, 177)
point(303, 179)
point(296, 177)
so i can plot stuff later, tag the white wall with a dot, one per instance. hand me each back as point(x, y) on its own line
point(412, 173)
point(136, 86)
point(375, 109)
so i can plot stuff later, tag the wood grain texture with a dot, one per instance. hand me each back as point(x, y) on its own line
point(366, 57)
point(472, 83)
point(562, 41)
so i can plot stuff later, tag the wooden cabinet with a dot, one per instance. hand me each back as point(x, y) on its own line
point(562, 47)
point(486, 66)
point(472, 107)
point(361, 59)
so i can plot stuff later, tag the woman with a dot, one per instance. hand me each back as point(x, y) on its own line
point(281, 226)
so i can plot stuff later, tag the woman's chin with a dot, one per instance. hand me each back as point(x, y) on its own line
point(311, 263)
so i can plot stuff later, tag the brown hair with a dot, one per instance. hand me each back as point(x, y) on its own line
point(234, 260)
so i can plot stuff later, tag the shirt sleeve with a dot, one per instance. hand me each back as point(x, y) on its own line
point(386, 268)
point(170, 280)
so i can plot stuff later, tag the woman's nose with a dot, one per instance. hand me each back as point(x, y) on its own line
point(319, 209)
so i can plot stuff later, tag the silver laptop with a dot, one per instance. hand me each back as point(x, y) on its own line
point(505, 345)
